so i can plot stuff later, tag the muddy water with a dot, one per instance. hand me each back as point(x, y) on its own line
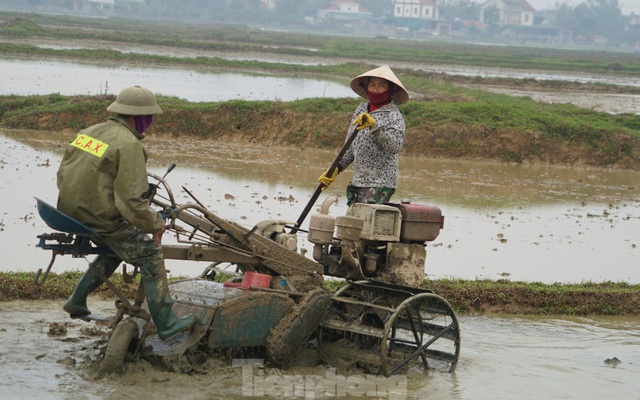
point(533, 222)
point(523, 222)
point(501, 358)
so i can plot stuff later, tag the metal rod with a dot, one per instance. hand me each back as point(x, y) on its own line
point(421, 349)
point(40, 280)
point(321, 186)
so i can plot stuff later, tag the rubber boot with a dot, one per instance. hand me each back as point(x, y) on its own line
point(159, 301)
point(76, 305)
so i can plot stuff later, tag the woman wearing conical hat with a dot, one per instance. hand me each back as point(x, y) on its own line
point(380, 137)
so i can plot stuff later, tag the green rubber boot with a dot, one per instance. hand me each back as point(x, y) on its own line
point(159, 301)
point(76, 305)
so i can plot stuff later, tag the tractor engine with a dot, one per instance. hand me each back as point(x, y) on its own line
point(375, 241)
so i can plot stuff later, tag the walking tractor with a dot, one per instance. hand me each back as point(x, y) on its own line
point(381, 320)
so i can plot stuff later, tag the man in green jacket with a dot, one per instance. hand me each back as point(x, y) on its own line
point(102, 180)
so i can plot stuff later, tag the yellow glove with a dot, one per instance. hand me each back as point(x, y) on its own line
point(328, 180)
point(364, 120)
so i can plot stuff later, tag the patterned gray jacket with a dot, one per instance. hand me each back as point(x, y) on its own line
point(374, 152)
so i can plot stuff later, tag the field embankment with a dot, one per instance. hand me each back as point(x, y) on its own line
point(470, 124)
point(468, 297)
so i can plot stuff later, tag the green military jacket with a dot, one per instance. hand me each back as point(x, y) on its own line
point(102, 179)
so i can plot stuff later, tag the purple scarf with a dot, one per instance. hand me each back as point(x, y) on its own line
point(142, 122)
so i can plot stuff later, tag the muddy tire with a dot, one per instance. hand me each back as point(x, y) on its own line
point(124, 340)
point(293, 330)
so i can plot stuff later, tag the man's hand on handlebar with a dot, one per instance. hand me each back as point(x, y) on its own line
point(157, 237)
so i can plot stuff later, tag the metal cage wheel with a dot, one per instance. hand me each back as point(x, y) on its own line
point(422, 332)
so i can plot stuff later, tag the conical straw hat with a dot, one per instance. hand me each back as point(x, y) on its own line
point(358, 84)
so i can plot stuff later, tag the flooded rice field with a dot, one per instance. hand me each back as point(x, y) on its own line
point(72, 78)
point(519, 222)
point(610, 103)
point(67, 78)
point(481, 71)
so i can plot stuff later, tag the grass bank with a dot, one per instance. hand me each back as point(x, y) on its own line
point(450, 122)
point(466, 297)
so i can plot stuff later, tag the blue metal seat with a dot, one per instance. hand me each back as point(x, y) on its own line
point(60, 221)
point(73, 237)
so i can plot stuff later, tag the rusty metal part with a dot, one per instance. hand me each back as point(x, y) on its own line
point(222, 241)
point(198, 252)
point(276, 258)
point(40, 277)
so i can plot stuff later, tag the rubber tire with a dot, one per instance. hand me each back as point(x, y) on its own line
point(292, 331)
point(124, 339)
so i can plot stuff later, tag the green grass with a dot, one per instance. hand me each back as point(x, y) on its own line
point(465, 296)
point(469, 123)
point(606, 298)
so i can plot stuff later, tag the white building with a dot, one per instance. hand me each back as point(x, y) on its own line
point(346, 11)
point(511, 12)
point(417, 9)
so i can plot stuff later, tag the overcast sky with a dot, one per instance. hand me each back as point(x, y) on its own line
point(626, 6)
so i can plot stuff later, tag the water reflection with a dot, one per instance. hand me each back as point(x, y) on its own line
point(28, 77)
point(520, 222)
point(21, 77)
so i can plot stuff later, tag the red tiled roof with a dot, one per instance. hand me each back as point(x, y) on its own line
point(335, 5)
point(522, 4)
point(526, 6)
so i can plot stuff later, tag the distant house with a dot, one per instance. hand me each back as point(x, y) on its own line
point(510, 12)
point(268, 4)
point(346, 12)
point(416, 9)
point(124, 6)
point(477, 25)
point(95, 7)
